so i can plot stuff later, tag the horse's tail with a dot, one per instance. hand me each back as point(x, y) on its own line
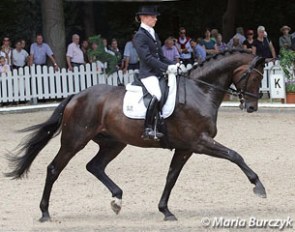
point(36, 141)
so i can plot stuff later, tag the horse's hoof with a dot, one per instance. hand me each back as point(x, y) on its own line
point(259, 192)
point(170, 218)
point(45, 219)
point(116, 205)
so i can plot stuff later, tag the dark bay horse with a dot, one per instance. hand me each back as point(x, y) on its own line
point(96, 114)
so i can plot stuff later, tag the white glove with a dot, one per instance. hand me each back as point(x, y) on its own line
point(172, 68)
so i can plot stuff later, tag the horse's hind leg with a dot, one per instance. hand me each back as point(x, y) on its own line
point(107, 152)
point(178, 161)
point(209, 146)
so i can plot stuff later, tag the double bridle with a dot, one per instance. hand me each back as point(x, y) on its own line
point(242, 92)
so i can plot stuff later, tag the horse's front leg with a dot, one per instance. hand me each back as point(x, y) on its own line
point(209, 146)
point(179, 159)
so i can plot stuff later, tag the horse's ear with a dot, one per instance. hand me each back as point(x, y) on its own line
point(260, 61)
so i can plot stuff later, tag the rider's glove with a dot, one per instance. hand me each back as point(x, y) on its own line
point(172, 68)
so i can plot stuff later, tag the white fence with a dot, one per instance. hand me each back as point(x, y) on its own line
point(36, 82)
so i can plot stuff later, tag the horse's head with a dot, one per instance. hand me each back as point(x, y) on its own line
point(247, 79)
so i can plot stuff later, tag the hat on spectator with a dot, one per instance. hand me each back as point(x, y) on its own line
point(285, 27)
point(148, 10)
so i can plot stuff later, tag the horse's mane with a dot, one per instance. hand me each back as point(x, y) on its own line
point(205, 69)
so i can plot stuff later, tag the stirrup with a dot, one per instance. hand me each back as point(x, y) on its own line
point(150, 134)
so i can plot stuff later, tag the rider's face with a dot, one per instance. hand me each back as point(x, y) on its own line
point(149, 20)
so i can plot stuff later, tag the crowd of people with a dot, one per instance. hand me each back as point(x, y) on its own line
point(182, 48)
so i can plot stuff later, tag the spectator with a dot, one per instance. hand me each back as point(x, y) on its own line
point(214, 34)
point(39, 52)
point(184, 47)
point(105, 44)
point(131, 59)
point(285, 39)
point(209, 44)
point(240, 34)
point(248, 43)
point(19, 56)
point(4, 67)
point(262, 46)
point(199, 52)
point(6, 50)
point(114, 48)
point(236, 43)
point(170, 50)
point(24, 44)
point(75, 56)
point(220, 45)
point(84, 48)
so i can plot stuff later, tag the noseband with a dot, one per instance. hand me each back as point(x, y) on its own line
point(242, 92)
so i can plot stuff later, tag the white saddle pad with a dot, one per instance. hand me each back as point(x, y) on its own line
point(133, 105)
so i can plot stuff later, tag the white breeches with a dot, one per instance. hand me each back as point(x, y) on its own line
point(152, 85)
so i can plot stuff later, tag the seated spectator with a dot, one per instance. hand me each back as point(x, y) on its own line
point(199, 52)
point(170, 50)
point(240, 34)
point(248, 43)
point(131, 59)
point(236, 43)
point(262, 46)
point(220, 45)
point(4, 67)
point(19, 56)
point(39, 52)
point(209, 44)
point(74, 55)
point(285, 39)
point(184, 47)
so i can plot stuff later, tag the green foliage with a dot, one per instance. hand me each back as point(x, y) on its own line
point(287, 62)
point(101, 55)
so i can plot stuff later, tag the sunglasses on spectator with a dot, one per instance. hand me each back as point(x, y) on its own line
point(250, 34)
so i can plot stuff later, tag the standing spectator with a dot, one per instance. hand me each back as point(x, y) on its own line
point(6, 50)
point(4, 67)
point(248, 43)
point(214, 34)
point(262, 46)
point(131, 59)
point(236, 43)
point(170, 50)
point(19, 56)
point(84, 48)
point(184, 47)
point(114, 48)
point(220, 45)
point(209, 44)
point(105, 44)
point(285, 39)
point(39, 52)
point(199, 52)
point(240, 34)
point(75, 56)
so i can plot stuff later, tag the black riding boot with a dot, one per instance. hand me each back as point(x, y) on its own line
point(150, 127)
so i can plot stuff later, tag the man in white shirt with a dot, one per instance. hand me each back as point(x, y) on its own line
point(75, 55)
point(19, 56)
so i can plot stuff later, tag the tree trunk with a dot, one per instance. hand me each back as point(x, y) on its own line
point(228, 20)
point(89, 19)
point(54, 28)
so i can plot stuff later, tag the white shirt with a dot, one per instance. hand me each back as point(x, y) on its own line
point(75, 53)
point(19, 57)
point(149, 29)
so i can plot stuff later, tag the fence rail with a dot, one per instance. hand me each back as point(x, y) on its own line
point(36, 82)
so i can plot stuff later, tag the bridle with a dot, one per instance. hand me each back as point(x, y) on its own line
point(242, 92)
